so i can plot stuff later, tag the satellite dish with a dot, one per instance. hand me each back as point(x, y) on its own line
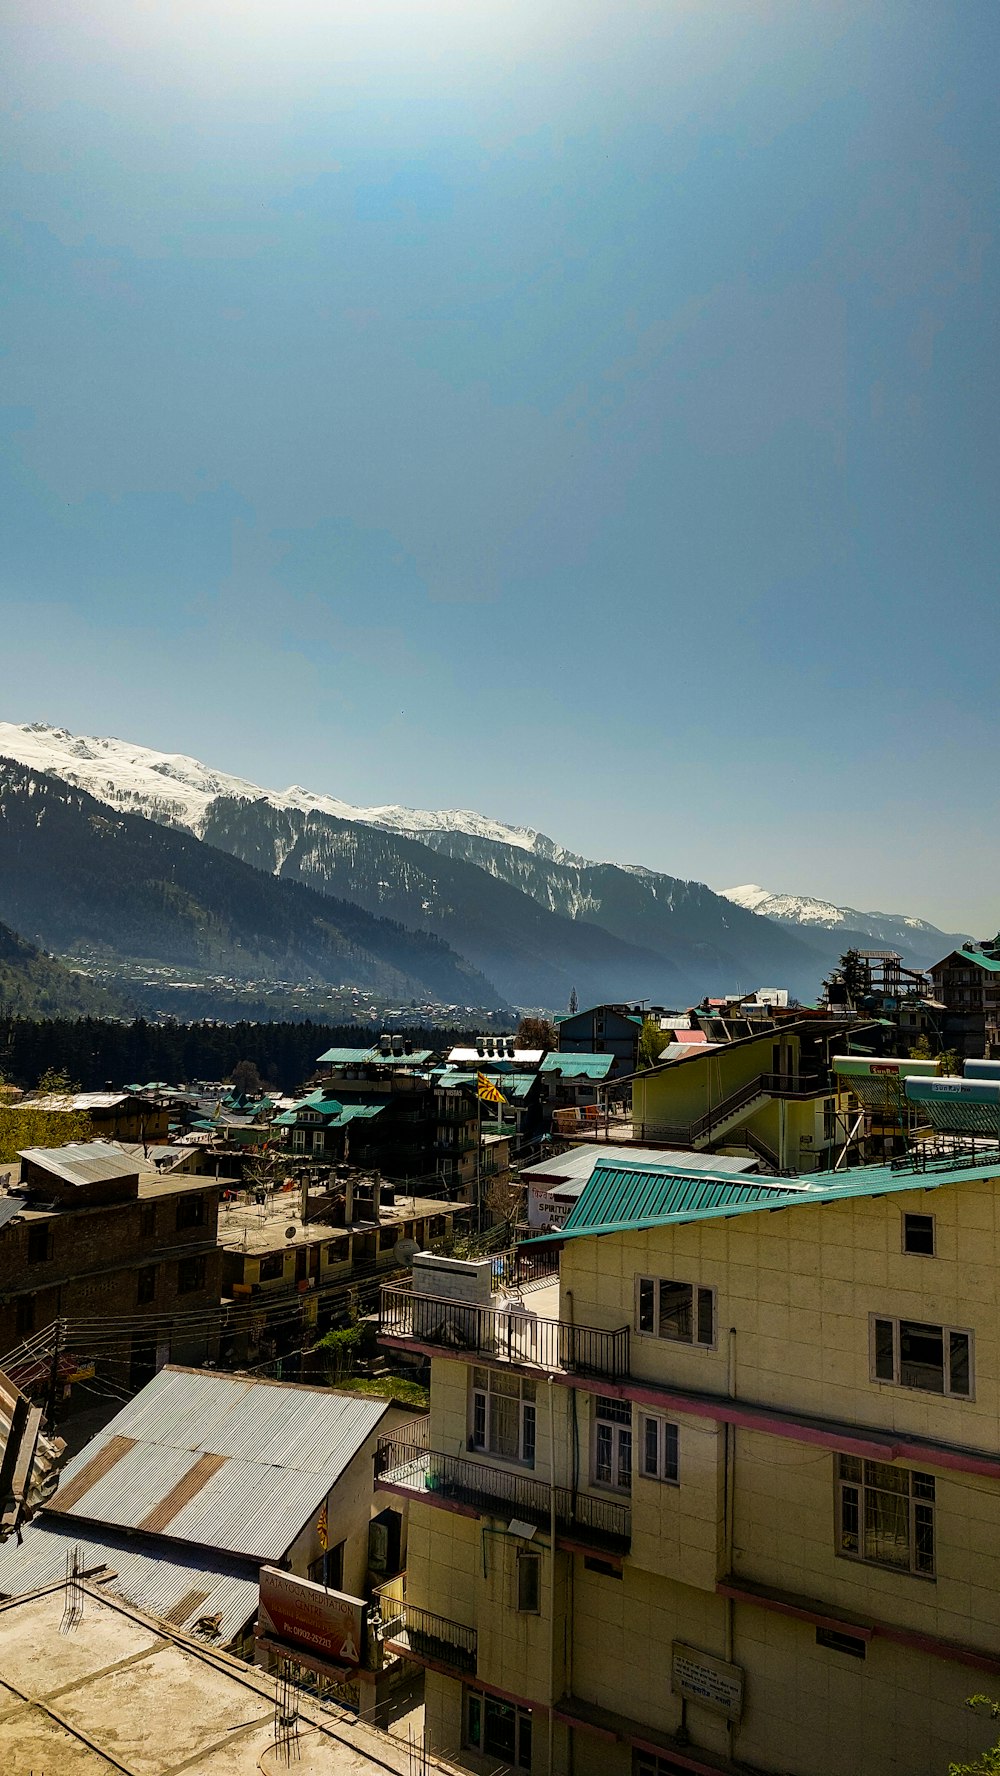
point(290, 1232)
point(404, 1251)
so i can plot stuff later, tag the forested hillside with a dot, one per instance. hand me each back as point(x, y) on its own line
point(34, 985)
point(75, 875)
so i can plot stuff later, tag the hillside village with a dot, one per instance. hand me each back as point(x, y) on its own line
point(562, 1396)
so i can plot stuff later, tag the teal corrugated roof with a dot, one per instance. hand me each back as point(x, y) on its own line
point(620, 1199)
point(345, 1056)
point(359, 1112)
point(580, 1066)
point(976, 957)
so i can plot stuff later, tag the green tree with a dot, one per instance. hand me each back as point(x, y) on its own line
point(988, 1762)
point(56, 1083)
point(922, 1050)
point(949, 1062)
point(24, 1126)
point(652, 1042)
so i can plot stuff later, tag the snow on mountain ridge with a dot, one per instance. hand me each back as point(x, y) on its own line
point(177, 790)
point(802, 909)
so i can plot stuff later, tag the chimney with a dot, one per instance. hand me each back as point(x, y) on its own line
point(349, 1199)
point(376, 1194)
point(304, 1198)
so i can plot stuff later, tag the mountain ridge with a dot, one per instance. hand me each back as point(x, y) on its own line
point(74, 873)
point(802, 911)
point(529, 913)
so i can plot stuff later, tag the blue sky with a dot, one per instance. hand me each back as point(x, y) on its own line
point(584, 412)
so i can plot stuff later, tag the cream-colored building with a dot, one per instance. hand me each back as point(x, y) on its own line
point(724, 1493)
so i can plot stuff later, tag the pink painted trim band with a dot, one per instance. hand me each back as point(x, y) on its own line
point(771, 1421)
point(908, 1637)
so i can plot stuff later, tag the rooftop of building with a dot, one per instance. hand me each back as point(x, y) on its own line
point(579, 1162)
point(251, 1227)
point(232, 1463)
point(578, 1066)
point(117, 1690)
point(625, 1198)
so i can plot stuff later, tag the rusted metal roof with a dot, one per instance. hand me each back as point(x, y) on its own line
point(179, 1585)
point(225, 1461)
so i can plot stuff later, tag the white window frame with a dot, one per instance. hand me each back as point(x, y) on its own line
point(481, 1415)
point(852, 1490)
point(700, 1293)
point(896, 1321)
point(666, 1465)
point(610, 1426)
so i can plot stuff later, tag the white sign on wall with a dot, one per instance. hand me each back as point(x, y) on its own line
point(706, 1680)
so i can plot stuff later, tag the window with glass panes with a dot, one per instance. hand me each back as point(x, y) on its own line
point(680, 1311)
point(502, 1413)
point(498, 1729)
point(885, 1515)
point(660, 1457)
point(613, 1443)
point(913, 1354)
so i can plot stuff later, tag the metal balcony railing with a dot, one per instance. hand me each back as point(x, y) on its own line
point(512, 1335)
point(601, 1523)
point(798, 1085)
point(421, 1635)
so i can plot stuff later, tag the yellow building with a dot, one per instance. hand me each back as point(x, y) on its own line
point(724, 1493)
point(771, 1095)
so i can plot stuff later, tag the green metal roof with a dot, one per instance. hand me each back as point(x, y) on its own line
point(623, 1199)
point(578, 1066)
point(345, 1056)
point(990, 963)
point(359, 1113)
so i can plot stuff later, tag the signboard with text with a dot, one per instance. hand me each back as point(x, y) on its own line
point(306, 1617)
point(706, 1680)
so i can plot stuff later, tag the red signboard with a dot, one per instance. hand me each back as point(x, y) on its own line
point(304, 1615)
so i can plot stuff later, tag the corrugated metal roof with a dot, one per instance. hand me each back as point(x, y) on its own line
point(574, 1066)
point(9, 1207)
point(346, 1056)
point(629, 1196)
point(282, 1449)
point(628, 1202)
point(579, 1162)
point(84, 1162)
point(171, 1583)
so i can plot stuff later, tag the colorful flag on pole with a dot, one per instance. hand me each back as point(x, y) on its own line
point(322, 1533)
point(487, 1091)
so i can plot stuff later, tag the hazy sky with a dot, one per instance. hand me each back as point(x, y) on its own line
point(581, 411)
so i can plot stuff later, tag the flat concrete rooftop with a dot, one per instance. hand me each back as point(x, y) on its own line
point(262, 1227)
point(121, 1695)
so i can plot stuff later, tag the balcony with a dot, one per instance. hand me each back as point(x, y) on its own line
point(404, 1464)
point(510, 1334)
point(799, 1085)
point(428, 1639)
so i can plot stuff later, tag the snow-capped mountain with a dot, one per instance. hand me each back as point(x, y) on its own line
point(534, 918)
point(893, 930)
point(178, 791)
